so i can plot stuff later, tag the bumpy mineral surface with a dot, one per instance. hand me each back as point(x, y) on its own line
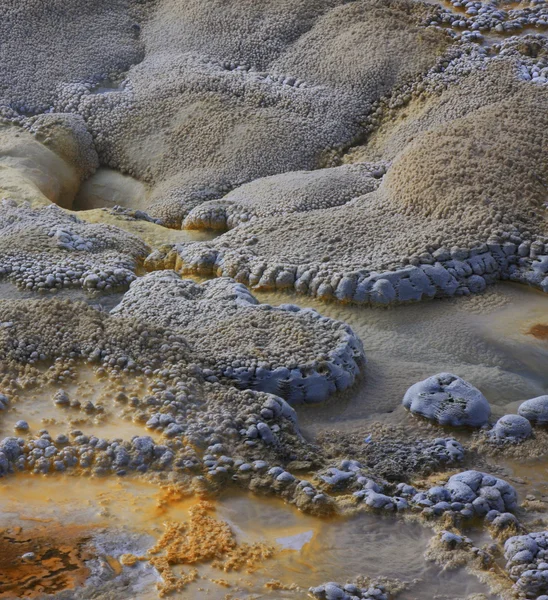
point(168, 167)
point(297, 354)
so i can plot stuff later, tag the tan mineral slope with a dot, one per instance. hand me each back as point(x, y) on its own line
point(462, 204)
point(430, 156)
point(192, 110)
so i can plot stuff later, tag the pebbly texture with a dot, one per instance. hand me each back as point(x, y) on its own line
point(300, 191)
point(293, 353)
point(390, 454)
point(535, 410)
point(46, 330)
point(448, 400)
point(293, 91)
point(470, 494)
point(511, 428)
point(202, 426)
point(210, 430)
point(422, 233)
point(111, 45)
point(203, 112)
point(466, 495)
point(349, 591)
point(46, 248)
point(527, 565)
point(472, 19)
point(193, 111)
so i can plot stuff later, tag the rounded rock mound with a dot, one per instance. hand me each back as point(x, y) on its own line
point(485, 492)
point(535, 410)
point(292, 192)
point(349, 591)
point(448, 400)
point(291, 352)
point(513, 428)
point(527, 566)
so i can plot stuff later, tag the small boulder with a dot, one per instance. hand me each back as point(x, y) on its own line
point(535, 410)
point(448, 400)
point(514, 428)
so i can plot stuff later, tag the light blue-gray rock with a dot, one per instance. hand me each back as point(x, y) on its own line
point(265, 433)
point(61, 398)
point(11, 447)
point(448, 400)
point(535, 410)
point(336, 478)
point(144, 444)
point(527, 563)
point(514, 428)
point(484, 491)
point(338, 591)
point(469, 493)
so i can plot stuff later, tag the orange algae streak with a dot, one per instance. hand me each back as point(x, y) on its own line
point(202, 539)
point(539, 331)
point(57, 563)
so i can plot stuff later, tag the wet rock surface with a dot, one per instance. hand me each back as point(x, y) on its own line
point(535, 410)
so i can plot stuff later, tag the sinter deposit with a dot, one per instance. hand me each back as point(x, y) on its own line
point(210, 214)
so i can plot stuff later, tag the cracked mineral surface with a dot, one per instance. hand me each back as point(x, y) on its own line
point(273, 312)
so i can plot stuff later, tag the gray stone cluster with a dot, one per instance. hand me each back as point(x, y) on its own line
point(48, 249)
point(439, 276)
point(44, 454)
point(395, 461)
point(527, 563)
point(475, 17)
point(470, 494)
point(211, 435)
point(348, 591)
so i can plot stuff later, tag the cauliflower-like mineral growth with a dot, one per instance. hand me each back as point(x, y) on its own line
point(47, 248)
point(448, 400)
point(511, 428)
point(294, 353)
